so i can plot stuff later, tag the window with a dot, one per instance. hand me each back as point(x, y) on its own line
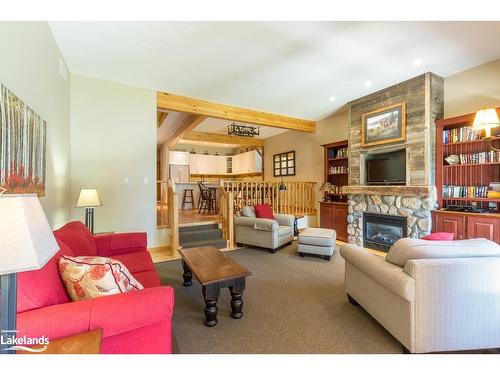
point(284, 164)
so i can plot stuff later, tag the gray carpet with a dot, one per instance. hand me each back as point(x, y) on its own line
point(291, 305)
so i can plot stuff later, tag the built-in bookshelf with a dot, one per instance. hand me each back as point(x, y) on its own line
point(466, 165)
point(336, 168)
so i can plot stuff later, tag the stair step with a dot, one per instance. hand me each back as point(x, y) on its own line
point(209, 234)
point(218, 244)
point(196, 228)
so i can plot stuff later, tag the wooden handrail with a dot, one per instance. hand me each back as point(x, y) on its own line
point(299, 197)
point(173, 215)
point(226, 213)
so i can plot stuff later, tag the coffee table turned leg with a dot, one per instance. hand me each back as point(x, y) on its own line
point(187, 275)
point(236, 298)
point(236, 303)
point(211, 312)
point(211, 295)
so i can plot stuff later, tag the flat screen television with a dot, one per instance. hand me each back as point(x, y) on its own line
point(387, 168)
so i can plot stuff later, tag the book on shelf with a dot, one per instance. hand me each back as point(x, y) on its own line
point(480, 157)
point(463, 134)
point(453, 191)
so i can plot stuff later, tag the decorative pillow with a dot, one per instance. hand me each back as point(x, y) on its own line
point(439, 236)
point(248, 211)
point(263, 211)
point(90, 277)
point(412, 248)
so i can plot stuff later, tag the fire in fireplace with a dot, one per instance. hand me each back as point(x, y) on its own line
point(381, 231)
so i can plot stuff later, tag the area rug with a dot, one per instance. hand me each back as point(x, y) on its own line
point(291, 305)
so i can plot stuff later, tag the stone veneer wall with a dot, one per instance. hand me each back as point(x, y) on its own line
point(424, 102)
point(423, 96)
point(416, 209)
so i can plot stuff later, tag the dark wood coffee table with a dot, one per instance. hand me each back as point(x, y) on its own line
point(215, 270)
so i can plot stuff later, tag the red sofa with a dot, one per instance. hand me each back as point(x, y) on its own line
point(134, 322)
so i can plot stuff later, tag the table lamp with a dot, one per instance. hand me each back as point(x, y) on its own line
point(89, 198)
point(26, 243)
point(326, 187)
point(486, 119)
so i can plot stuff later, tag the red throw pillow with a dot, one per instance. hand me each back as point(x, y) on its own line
point(264, 211)
point(440, 236)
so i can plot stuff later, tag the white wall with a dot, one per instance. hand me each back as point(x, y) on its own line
point(29, 67)
point(307, 146)
point(472, 89)
point(113, 137)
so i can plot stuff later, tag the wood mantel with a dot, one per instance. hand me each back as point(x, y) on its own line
point(404, 191)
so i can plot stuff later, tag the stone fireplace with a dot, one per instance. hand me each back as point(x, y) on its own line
point(381, 231)
point(409, 204)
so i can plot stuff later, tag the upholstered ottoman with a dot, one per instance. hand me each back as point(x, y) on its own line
point(318, 241)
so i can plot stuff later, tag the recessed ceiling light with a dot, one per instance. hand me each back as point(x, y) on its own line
point(332, 98)
point(417, 62)
point(368, 83)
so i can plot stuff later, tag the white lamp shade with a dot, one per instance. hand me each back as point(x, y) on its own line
point(486, 119)
point(26, 240)
point(88, 198)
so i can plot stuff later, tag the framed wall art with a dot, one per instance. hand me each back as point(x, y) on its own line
point(22, 146)
point(384, 125)
point(284, 164)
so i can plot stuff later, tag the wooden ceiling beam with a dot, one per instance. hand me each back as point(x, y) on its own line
point(222, 138)
point(160, 117)
point(187, 124)
point(171, 102)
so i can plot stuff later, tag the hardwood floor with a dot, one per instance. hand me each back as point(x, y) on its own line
point(193, 216)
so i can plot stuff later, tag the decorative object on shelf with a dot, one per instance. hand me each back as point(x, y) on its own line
point(206, 152)
point(22, 165)
point(326, 188)
point(282, 186)
point(495, 186)
point(384, 125)
point(453, 159)
point(89, 198)
point(487, 119)
point(27, 244)
point(284, 164)
point(243, 130)
point(193, 151)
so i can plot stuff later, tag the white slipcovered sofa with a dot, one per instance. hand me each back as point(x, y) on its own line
point(267, 233)
point(432, 296)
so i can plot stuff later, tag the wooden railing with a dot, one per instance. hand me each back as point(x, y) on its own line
point(162, 220)
point(173, 215)
point(299, 197)
point(167, 210)
point(226, 213)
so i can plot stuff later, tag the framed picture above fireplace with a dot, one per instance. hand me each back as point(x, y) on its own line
point(384, 125)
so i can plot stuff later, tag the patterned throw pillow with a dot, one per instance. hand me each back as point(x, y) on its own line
point(90, 277)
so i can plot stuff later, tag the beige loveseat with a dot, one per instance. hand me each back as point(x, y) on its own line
point(432, 296)
point(267, 233)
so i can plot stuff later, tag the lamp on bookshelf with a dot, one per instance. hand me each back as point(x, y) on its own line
point(487, 119)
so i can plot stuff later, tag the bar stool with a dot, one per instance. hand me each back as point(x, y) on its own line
point(187, 197)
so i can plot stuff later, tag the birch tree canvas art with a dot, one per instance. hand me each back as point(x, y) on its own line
point(22, 146)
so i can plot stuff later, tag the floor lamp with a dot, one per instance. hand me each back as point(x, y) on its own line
point(26, 243)
point(89, 198)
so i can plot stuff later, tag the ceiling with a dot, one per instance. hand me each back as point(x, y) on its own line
point(209, 125)
point(289, 68)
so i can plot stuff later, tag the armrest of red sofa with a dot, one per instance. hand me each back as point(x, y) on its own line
point(115, 314)
point(120, 243)
point(129, 311)
point(55, 321)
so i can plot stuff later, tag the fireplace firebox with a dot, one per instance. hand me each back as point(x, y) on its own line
point(381, 231)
